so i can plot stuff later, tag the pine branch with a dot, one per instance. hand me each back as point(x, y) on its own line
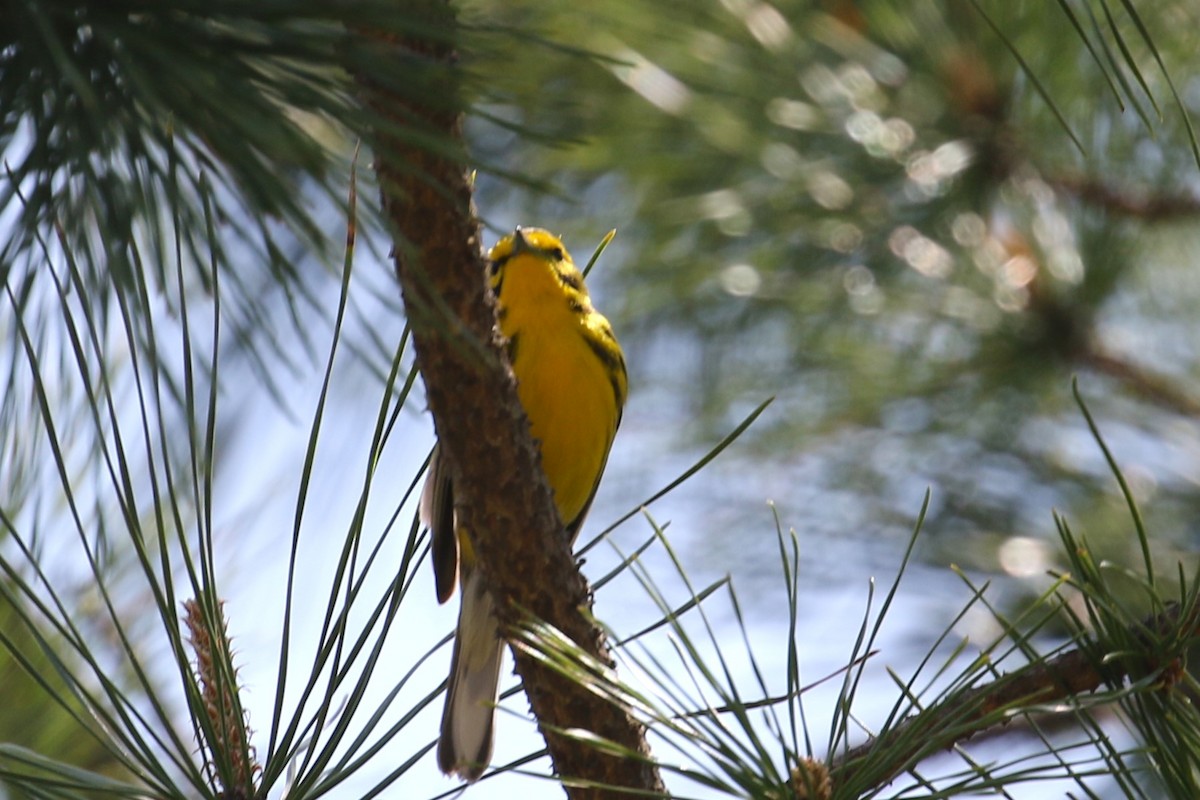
point(503, 498)
point(1073, 673)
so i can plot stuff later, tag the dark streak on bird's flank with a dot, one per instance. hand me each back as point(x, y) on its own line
point(610, 360)
point(616, 365)
point(570, 278)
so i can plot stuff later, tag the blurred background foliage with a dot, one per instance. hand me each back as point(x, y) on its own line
point(912, 223)
point(872, 211)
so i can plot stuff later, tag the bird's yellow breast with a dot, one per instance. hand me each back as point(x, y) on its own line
point(568, 392)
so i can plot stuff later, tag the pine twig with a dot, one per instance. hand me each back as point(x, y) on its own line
point(1155, 388)
point(1075, 672)
point(1151, 207)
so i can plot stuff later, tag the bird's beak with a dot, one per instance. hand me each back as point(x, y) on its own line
point(520, 243)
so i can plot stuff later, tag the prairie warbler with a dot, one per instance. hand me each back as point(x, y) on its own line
point(571, 381)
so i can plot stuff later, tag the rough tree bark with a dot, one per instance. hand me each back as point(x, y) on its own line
point(503, 496)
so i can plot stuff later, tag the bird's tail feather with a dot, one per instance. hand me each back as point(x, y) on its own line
point(465, 746)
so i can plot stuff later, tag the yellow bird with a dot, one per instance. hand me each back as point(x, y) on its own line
point(571, 381)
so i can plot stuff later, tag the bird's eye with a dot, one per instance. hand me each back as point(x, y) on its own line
point(558, 254)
